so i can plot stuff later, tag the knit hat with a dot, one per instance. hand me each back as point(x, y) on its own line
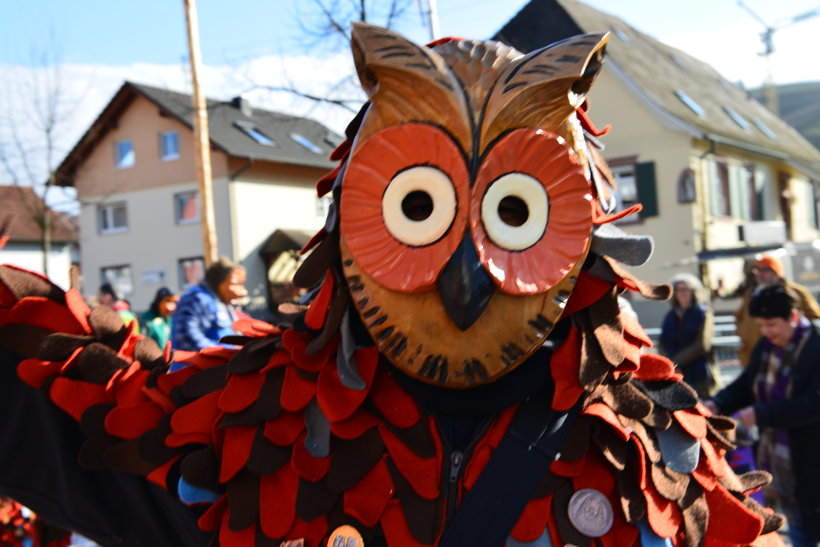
point(770, 261)
point(773, 301)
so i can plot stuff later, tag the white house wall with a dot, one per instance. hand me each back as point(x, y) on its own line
point(30, 257)
point(260, 208)
point(153, 243)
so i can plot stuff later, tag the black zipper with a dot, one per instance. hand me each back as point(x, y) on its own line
point(455, 465)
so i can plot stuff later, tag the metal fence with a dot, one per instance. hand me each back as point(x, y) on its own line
point(725, 346)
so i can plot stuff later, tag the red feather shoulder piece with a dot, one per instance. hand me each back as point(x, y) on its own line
point(272, 438)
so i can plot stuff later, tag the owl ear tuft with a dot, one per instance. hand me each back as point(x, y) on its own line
point(543, 88)
point(407, 83)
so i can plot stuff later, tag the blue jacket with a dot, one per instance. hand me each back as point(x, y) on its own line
point(200, 319)
point(682, 341)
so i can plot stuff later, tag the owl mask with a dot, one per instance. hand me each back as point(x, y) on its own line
point(465, 203)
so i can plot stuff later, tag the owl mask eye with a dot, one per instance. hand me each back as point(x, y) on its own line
point(514, 211)
point(531, 212)
point(404, 205)
point(419, 205)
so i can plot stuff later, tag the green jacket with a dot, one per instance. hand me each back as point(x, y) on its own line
point(156, 327)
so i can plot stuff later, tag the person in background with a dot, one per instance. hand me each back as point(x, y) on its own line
point(779, 393)
point(207, 310)
point(686, 334)
point(109, 296)
point(156, 322)
point(768, 270)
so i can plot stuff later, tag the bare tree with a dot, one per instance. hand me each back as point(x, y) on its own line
point(324, 27)
point(35, 110)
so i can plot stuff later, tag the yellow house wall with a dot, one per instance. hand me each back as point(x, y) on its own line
point(637, 132)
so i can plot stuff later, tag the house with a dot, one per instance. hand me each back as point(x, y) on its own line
point(135, 176)
point(720, 177)
point(21, 207)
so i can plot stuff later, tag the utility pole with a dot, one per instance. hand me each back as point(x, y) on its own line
point(202, 140)
point(429, 14)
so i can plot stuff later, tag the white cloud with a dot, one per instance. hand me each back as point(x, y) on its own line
point(87, 89)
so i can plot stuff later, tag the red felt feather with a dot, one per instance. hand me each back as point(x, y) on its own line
point(235, 450)
point(277, 499)
point(241, 391)
point(564, 369)
point(393, 402)
point(297, 392)
point(131, 421)
point(309, 467)
point(75, 396)
point(533, 521)
point(285, 429)
point(421, 473)
point(337, 401)
point(367, 499)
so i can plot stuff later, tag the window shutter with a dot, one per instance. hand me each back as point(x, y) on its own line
point(647, 190)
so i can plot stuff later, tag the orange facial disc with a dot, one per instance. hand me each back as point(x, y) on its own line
point(535, 175)
point(403, 208)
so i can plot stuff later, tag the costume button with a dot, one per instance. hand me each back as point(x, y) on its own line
point(345, 536)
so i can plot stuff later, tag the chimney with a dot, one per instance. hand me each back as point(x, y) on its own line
point(243, 105)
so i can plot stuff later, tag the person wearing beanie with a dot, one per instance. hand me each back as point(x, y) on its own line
point(157, 320)
point(207, 310)
point(779, 392)
point(108, 295)
point(768, 270)
point(686, 334)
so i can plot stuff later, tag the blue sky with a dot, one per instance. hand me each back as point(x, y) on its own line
point(152, 31)
point(250, 46)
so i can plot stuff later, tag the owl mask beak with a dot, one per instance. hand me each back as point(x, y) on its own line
point(464, 287)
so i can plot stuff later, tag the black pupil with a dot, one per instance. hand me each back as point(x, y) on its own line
point(513, 211)
point(417, 205)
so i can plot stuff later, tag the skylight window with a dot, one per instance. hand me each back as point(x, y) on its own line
point(765, 130)
point(690, 103)
point(677, 60)
point(737, 118)
point(620, 34)
point(307, 143)
point(253, 132)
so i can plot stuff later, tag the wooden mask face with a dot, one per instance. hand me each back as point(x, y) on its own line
point(465, 210)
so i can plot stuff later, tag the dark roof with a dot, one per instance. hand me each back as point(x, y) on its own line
point(226, 120)
point(25, 205)
point(657, 71)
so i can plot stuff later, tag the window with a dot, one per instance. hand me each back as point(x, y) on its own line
point(737, 118)
point(734, 190)
point(186, 208)
point(636, 184)
point(765, 130)
point(119, 277)
point(626, 194)
point(191, 271)
point(678, 61)
point(112, 218)
point(253, 132)
point(169, 145)
point(307, 143)
point(620, 34)
point(124, 154)
point(690, 103)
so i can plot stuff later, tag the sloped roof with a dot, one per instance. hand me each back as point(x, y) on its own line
point(658, 71)
point(24, 204)
point(225, 124)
